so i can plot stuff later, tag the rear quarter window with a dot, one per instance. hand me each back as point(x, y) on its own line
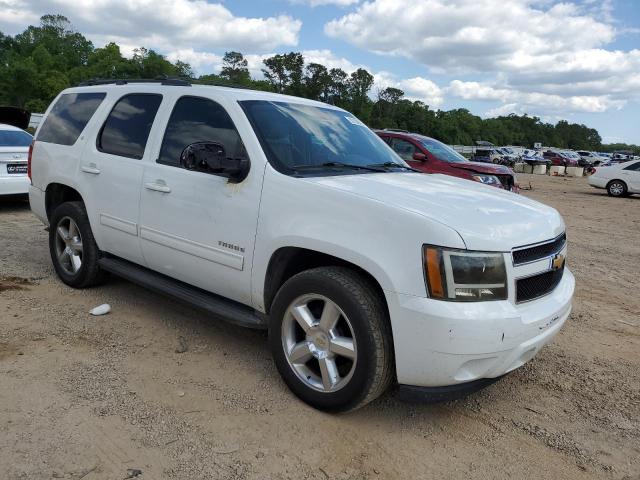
point(69, 116)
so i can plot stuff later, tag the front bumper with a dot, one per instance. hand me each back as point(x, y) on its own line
point(14, 185)
point(448, 343)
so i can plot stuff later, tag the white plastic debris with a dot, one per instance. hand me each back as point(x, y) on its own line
point(101, 309)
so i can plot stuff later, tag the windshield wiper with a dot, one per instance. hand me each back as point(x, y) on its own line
point(371, 168)
point(392, 165)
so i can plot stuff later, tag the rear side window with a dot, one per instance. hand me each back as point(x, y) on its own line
point(126, 130)
point(196, 119)
point(68, 117)
point(633, 166)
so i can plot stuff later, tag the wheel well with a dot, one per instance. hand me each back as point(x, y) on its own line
point(616, 180)
point(289, 261)
point(57, 194)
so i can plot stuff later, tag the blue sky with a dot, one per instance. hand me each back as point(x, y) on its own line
point(574, 60)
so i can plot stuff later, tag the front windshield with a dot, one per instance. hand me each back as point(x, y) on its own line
point(14, 138)
point(441, 151)
point(298, 137)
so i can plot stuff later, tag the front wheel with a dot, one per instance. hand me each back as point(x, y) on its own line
point(330, 338)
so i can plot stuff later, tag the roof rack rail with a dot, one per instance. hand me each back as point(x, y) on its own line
point(177, 82)
point(223, 84)
point(398, 130)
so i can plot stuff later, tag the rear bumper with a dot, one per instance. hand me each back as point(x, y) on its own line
point(14, 185)
point(439, 344)
point(597, 182)
point(37, 203)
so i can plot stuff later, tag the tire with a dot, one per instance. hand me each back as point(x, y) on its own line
point(617, 188)
point(75, 259)
point(360, 315)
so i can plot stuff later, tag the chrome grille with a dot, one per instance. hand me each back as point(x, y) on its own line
point(536, 286)
point(538, 252)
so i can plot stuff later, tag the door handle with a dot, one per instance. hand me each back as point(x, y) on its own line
point(157, 186)
point(91, 168)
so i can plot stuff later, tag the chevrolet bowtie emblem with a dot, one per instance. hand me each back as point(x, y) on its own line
point(557, 262)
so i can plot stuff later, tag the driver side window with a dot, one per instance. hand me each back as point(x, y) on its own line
point(197, 119)
point(403, 148)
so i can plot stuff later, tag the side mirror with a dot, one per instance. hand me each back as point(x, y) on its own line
point(420, 157)
point(210, 157)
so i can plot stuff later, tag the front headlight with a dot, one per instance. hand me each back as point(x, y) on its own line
point(487, 179)
point(463, 275)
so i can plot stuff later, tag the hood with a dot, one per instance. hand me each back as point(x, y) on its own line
point(486, 218)
point(480, 167)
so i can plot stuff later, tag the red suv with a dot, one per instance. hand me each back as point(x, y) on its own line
point(431, 156)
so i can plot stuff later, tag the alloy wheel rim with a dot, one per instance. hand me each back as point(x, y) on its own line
point(68, 242)
point(616, 189)
point(319, 343)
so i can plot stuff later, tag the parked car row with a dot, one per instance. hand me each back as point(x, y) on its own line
point(551, 156)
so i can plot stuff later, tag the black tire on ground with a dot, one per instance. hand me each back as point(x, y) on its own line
point(353, 293)
point(89, 273)
point(617, 188)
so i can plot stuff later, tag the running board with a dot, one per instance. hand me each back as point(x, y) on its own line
point(229, 310)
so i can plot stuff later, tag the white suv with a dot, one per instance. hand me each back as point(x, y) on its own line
point(288, 214)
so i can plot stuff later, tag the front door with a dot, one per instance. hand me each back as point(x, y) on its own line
point(406, 150)
point(196, 226)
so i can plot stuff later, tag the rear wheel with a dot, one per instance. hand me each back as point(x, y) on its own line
point(330, 338)
point(73, 249)
point(617, 188)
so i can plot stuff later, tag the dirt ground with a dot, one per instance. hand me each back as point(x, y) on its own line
point(92, 397)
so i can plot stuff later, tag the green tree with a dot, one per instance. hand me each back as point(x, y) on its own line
point(284, 72)
point(317, 82)
point(234, 68)
point(358, 86)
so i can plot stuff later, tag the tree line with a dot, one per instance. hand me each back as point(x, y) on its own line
point(38, 63)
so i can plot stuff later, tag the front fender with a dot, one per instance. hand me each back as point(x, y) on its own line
point(383, 240)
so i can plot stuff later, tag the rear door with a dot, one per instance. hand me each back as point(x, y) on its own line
point(196, 226)
point(631, 174)
point(111, 171)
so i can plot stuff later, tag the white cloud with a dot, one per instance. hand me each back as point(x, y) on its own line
point(161, 24)
point(201, 62)
point(469, 35)
point(330, 60)
point(542, 54)
point(318, 3)
point(515, 101)
point(416, 88)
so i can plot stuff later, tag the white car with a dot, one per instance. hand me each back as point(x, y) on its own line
point(291, 215)
point(592, 158)
point(14, 149)
point(619, 179)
